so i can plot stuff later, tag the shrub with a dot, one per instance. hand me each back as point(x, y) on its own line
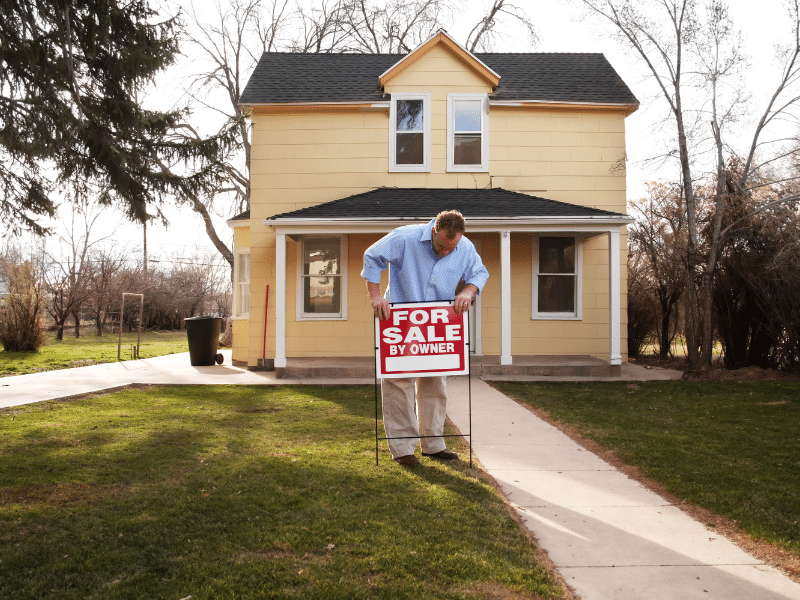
point(20, 308)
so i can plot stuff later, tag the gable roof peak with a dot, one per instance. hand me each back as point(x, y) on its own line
point(441, 37)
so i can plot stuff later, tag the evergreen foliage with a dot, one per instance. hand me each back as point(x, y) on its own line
point(72, 74)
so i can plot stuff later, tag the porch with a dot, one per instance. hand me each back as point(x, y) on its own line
point(363, 367)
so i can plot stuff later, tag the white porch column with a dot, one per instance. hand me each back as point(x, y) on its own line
point(505, 298)
point(280, 300)
point(614, 300)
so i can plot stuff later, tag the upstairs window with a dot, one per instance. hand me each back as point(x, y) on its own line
point(410, 132)
point(467, 133)
point(556, 277)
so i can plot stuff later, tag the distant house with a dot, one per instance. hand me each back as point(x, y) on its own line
point(346, 147)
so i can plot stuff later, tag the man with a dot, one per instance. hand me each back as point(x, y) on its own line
point(427, 262)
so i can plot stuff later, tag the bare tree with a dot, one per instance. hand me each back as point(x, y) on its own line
point(497, 16)
point(68, 273)
point(693, 54)
point(658, 240)
point(104, 287)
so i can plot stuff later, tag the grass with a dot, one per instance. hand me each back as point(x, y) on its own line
point(731, 448)
point(219, 492)
point(89, 349)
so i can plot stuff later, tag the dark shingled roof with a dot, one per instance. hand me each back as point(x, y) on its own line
point(555, 77)
point(415, 203)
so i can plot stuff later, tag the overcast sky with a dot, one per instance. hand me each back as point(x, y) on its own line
point(560, 30)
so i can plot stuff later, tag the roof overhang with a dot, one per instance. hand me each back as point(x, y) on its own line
point(628, 109)
point(293, 106)
point(441, 37)
point(588, 225)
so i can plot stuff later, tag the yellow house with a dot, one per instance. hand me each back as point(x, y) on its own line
point(346, 147)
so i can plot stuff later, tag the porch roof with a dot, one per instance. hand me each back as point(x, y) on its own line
point(422, 204)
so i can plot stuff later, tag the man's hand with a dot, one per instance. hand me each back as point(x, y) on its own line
point(463, 301)
point(380, 306)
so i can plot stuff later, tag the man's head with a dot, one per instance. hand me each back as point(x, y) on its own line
point(446, 232)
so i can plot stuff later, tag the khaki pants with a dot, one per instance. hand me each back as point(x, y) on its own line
point(400, 420)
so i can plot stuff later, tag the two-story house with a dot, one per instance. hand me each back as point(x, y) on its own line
point(345, 147)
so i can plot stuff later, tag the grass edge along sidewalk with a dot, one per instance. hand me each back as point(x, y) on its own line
point(246, 492)
point(727, 453)
point(90, 349)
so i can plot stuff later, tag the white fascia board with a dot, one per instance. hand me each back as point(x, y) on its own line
point(233, 224)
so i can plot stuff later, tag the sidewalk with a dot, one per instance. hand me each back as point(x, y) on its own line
point(608, 536)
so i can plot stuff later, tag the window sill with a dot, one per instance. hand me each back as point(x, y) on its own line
point(469, 169)
point(243, 317)
point(312, 319)
point(556, 317)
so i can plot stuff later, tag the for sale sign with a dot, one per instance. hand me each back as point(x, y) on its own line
point(422, 340)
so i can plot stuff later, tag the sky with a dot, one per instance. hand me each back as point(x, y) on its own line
point(560, 30)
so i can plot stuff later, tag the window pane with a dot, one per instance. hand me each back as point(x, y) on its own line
point(244, 268)
point(321, 256)
point(244, 298)
point(556, 255)
point(467, 149)
point(321, 295)
point(556, 294)
point(410, 149)
point(409, 115)
point(467, 115)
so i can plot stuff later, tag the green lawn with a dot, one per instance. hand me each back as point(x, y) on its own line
point(90, 349)
point(243, 492)
point(732, 448)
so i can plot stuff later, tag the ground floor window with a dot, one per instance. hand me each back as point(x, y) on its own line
point(322, 278)
point(556, 277)
point(242, 284)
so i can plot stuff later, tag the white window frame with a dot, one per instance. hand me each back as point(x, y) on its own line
point(425, 167)
point(301, 315)
point(451, 166)
point(237, 284)
point(558, 316)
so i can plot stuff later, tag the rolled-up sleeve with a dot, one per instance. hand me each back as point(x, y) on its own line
point(386, 250)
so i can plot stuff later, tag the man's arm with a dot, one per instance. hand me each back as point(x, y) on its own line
point(380, 306)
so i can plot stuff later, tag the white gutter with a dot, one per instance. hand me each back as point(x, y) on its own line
point(561, 103)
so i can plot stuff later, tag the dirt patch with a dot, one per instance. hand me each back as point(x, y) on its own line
point(59, 496)
point(780, 558)
point(716, 372)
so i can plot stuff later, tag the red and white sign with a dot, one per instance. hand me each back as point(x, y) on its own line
point(422, 340)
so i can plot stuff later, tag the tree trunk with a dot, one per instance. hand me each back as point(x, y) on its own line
point(76, 317)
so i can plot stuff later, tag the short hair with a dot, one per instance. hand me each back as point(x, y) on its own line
point(451, 221)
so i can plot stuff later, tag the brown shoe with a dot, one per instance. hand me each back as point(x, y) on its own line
point(443, 455)
point(409, 461)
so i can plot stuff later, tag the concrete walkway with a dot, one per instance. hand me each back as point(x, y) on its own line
point(610, 538)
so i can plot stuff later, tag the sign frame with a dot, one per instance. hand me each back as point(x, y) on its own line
point(422, 339)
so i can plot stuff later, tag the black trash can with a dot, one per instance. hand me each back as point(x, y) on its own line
point(203, 334)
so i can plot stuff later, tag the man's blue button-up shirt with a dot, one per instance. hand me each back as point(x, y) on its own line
point(417, 274)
